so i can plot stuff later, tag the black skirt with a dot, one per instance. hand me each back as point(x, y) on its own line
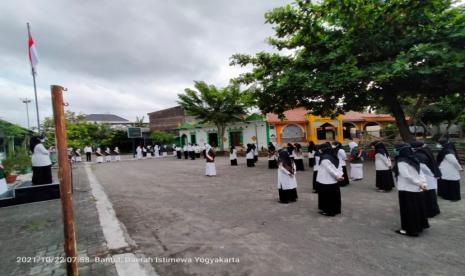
point(234, 162)
point(315, 183)
point(197, 155)
point(449, 189)
point(272, 164)
point(255, 158)
point(431, 203)
point(329, 198)
point(299, 164)
point(192, 155)
point(413, 217)
point(344, 182)
point(286, 196)
point(42, 175)
point(384, 180)
point(250, 163)
point(311, 162)
point(178, 154)
point(186, 155)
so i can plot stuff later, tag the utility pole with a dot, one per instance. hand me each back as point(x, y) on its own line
point(27, 102)
point(64, 174)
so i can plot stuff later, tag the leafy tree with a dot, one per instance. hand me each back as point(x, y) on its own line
point(139, 122)
point(162, 138)
point(447, 109)
point(345, 55)
point(218, 106)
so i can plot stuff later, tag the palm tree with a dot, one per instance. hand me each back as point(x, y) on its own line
point(218, 106)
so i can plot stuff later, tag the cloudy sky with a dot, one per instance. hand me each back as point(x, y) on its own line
point(123, 57)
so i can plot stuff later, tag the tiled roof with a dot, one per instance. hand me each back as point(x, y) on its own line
point(104, 118)
point(294, 115)
point(298, 116)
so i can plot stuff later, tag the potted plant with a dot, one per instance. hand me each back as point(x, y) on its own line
point(15, 163)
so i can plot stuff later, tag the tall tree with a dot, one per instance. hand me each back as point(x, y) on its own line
point(218, 106)
point(345, 55)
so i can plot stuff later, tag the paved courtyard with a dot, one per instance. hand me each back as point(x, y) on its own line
point(172, 210)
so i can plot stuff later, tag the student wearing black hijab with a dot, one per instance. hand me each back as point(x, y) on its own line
point(410, 183)
point(287, 181)
point(430, 170)
point(315, 168)
point(249, 156)
point(298, 157)
point(311, 154)
point(341, 155)
point(449, 183)
point(329, 174)
point(41, 164)
point(233, 155)
point(290, 150)
point(383, 164)
point(272, 160)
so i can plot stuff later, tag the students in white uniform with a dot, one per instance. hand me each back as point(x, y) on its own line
point(383, 165)
point(116, 155)
point(186, 152)
point(233, 155)
point(210, 169)
point(149, 152)
point(88, 152)
point(272, 158)
point(287, 181)
point(329, 174)
point(449, 184)
point(99, 156)
point(356, 162)
point(178, 152)
point(197, 151)
point(298, 157)
point(41, 164)
point(430, 170)
point(249, 156)
point(157, 151)
point(107, 155)
point(311, 154)
point(315, 168)
point(342, 157)
point(191, 152)
point(139, 152)
point(410, 183)
point(78, 157)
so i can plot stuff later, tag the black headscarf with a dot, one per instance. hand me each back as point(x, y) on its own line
point(271, 147)
point(286, 161)
point(249, 148)
point(33, 143)
point(327, 152)
point(405, 154)
point(232, 148)
point(311, 146)
point(447, 148)
point(317, 150)
point(381, 149)
point(425, 156)
point(290, 148)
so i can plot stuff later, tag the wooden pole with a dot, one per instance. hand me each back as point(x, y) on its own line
point(64, 174)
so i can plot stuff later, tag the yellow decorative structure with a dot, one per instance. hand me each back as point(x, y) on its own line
point(314, 122)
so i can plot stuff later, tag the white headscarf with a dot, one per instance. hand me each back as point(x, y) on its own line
point(352, 145)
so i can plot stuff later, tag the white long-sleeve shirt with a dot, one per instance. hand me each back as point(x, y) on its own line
point(286, 181)
point(342, 156)
point(450, 167)
point(233, 155)
point(382, 162)
point(317, 163)
point(311, 154)
point(409, 179)
point(297, 155)
point(40, 156)
point(88, 149)
point(328, 173)
point(429, 176)
point(250, 155)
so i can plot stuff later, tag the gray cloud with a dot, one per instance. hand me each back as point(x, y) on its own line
point(139, 53)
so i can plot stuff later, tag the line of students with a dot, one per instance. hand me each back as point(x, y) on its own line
point(107, 155)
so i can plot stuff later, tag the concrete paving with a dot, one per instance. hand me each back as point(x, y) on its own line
point(175, 214)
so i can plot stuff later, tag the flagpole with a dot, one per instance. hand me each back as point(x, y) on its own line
point(34, 80)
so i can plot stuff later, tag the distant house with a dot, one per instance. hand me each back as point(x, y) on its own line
point(116, 122)
point(11, 136)
point(168, 120)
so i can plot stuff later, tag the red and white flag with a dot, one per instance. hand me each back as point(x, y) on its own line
point(33, 56)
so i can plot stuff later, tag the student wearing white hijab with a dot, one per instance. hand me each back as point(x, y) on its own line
point(356, 162)
point(117, 156)
point(210, 169)
point(107, 155)
point(233, 155)
point(99, 155)
point(139, 152)
point(41, 163)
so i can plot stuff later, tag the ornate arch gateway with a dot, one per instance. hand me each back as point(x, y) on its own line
point(324, 128)
point(292, 133)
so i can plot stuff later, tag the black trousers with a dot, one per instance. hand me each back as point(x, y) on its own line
point(88, 156)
